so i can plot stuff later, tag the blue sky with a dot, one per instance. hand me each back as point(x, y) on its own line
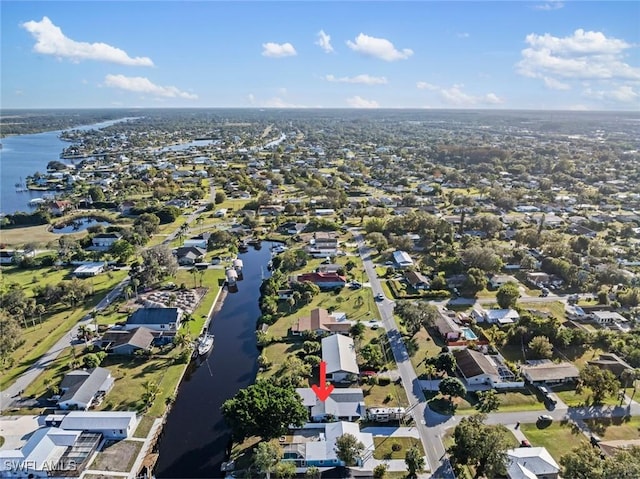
point(386, 54)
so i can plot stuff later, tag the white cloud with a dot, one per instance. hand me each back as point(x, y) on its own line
point(378, 48)
point(144, 85)
point(463, 35)
point(583, 55)
point(455, 96)
point(621, 94)
point(359, 102)
point(324, 41)
point(51, 41)
point(423, 85)
point(550, 5)
point(553, 84)
point(362, 79)
point(252, 99)
point(277, 102)
point(278, 50)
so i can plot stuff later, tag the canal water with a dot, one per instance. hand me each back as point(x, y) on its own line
point(195, 437)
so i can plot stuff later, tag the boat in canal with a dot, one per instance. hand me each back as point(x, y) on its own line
point(205, 343)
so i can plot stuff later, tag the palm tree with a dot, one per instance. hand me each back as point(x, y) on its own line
point(199, 222)
point(39, 310)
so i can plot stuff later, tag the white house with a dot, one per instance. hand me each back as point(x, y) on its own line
point(88, 270)
point(81, 388)
point(531, 463)
point(402, 259)
point(104, 241)
point(496, 316)
point(475, 367)
point(339, 354)
point(344, 404)
point(111, 424)
point(498, 280)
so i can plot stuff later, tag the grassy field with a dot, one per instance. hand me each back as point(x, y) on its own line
point(55, 323)
point(559, 438)
point(118, 457)
point(16, 237)
point(574, 399)
point(144, 426)
point(391, 395)
point(384, 447)
point(421, 346)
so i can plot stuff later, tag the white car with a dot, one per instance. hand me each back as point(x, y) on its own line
point(379, 297)
point(545, 418)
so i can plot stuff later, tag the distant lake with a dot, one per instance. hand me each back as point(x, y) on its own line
point(24, 155)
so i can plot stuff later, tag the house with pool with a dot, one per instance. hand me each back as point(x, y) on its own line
point(451, 328)
point(315, 445)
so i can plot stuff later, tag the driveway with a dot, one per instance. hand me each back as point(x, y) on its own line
point(17, 429)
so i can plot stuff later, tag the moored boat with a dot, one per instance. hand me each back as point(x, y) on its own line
point(205, 343)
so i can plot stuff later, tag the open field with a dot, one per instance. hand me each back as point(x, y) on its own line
point(609, 429)
point(117, 457)
point(17, 237)
point(558, 437)
point(55, 323)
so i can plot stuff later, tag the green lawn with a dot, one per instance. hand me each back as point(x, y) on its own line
point(377, 395)
point(574, 399)
point(559, 438)
point(424, 344)
point(610, 429)
point(144, 426)
point(384, 447)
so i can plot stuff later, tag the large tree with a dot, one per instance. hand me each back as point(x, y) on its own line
point(158, 262)
point(452, 387)
point(507, 295)
point(349, 449)
point(541, 347)
point(415, 316)
point(488, 401)
point(601, 382)
point(480, 445)
point(266, 456)
point(414, 461)
point(10, 336)
point(264, 409)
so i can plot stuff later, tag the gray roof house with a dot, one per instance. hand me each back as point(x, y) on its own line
point(339, 353)
point(156, 319)
point(475, 367)
point(343, 404)
point(531, 463)
point(127, 341)
point(548, 372)
point(80, 388)
point(187, 255)
point(111, 424)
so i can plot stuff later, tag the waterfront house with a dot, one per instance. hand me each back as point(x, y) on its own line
point(531, 463)
point(322, 323)
point(339, 354)
point(156, 319)
point(104, 241)
point(547, 372)
point(344, 404)
point(57, 208)
point(111, 424)
point(315, 444)
point(81, 388)
point(50, 453)
point(475, 367)
point(323, 280)
point(127, 341)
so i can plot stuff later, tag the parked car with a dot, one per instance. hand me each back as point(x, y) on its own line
point(545, 418)
point(525, 443)
point(379, 297)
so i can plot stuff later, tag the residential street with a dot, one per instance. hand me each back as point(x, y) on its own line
point(432, 426)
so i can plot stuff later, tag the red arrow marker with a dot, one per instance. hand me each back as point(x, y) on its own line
point(323, 390)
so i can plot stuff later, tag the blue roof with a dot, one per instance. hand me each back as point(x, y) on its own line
point(155, 316)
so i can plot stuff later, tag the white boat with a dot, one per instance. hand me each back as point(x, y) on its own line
point(205, 343)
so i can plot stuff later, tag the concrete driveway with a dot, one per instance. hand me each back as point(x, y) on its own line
point(17, 429)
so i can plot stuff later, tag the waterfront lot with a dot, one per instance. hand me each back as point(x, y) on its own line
point(117, 457)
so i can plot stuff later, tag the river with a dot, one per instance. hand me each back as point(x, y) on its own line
point(195, 436)
point(24, 155)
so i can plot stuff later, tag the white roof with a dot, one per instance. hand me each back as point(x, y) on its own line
point(502, 316)
point(43, 448)
point(530, 462)
point(97, 420)
point(339, 353)
point(402, 257)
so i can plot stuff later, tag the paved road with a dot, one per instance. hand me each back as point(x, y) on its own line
point(422, 415)
point(12, 393)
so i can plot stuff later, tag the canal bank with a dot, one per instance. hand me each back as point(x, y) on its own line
point(195, 436)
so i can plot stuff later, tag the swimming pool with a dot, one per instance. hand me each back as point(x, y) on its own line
point(469, 335)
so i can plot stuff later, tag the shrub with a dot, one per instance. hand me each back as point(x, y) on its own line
point(384, 381)
point(396, 446)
